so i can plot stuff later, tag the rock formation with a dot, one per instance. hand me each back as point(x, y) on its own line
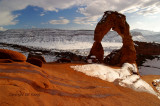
point(63, 60)
point(22, 83)
point(147, 48)
point(12, 55)
point(37, 55)
point(36, 58)
point(97, 51)
point(35, 61)
point(116, 21)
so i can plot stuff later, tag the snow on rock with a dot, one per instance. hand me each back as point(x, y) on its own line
point(124, 76)
point(89, 61)
point(156, 83)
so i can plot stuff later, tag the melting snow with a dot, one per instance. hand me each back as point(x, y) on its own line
point(156, 83)
point(123, 76)
point(109, 12)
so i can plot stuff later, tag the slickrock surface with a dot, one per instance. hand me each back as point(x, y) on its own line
point(12, 55)
point(22, 83)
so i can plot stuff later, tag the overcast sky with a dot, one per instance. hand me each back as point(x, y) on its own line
point(76, 14)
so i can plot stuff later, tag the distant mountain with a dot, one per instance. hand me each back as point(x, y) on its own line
point(23, 36)
point(145, 32)
point(153, 38)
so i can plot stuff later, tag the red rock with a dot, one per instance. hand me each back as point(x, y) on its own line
point(6, 61)
point(97, 50)
point(59, 85)
point(36, 55)
point(63, 60)
point(113, 58)
point(35, 61)
point(147, 48)
point(116, 21)
point(12, 55)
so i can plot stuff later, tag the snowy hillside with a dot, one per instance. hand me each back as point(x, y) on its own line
point(146, 32)
point(75, 41)
point(145, 35)
point(28, 36)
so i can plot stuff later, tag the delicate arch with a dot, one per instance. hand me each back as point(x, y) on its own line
point(116, 21)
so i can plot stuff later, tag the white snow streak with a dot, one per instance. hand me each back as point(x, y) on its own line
point(123, 76)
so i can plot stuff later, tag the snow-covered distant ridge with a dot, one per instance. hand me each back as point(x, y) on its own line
point(145, 32)
point(149, 36)
point(50, 36)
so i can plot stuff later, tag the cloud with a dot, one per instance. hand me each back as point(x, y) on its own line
point(42, 14)
point(7, 7)
point(89, 8)
point(86, 20)
point(2, 29)
point(62, 20)
point(96, 8)
point(146, 26)
point(6, 18)
point(148, 11)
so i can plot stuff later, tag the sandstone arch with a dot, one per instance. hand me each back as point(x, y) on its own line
point(116, 21)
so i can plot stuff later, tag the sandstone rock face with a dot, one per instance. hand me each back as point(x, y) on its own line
point(37, 55)
point(97, 51)
point(6, 61)
point(147, 48)
point(22, 84)
point(35, 61)
point(113, 58)
point(12, 55)
point(36, 58)
point(63, 60)
point(116, 21)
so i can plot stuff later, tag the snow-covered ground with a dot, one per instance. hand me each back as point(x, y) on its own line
point(123, 76)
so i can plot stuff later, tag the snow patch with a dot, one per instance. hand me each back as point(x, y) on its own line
point(89, 61)
point(156, 83)
point(123, 76)
point(109, 12)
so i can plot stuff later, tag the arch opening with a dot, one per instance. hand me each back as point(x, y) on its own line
point(117, 22)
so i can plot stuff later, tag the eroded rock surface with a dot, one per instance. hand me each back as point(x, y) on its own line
point(12, 55)
point(116, 21)
point(56, 84)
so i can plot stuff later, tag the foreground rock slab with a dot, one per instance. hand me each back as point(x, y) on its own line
point(22, 83)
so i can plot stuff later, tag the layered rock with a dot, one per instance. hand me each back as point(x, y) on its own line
point(12, 55)
point(36, 58)
point(37, 55)
point(147, 48)
point(35, 61)
point(116, 21)
point(97, 51)
point(58, 84)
